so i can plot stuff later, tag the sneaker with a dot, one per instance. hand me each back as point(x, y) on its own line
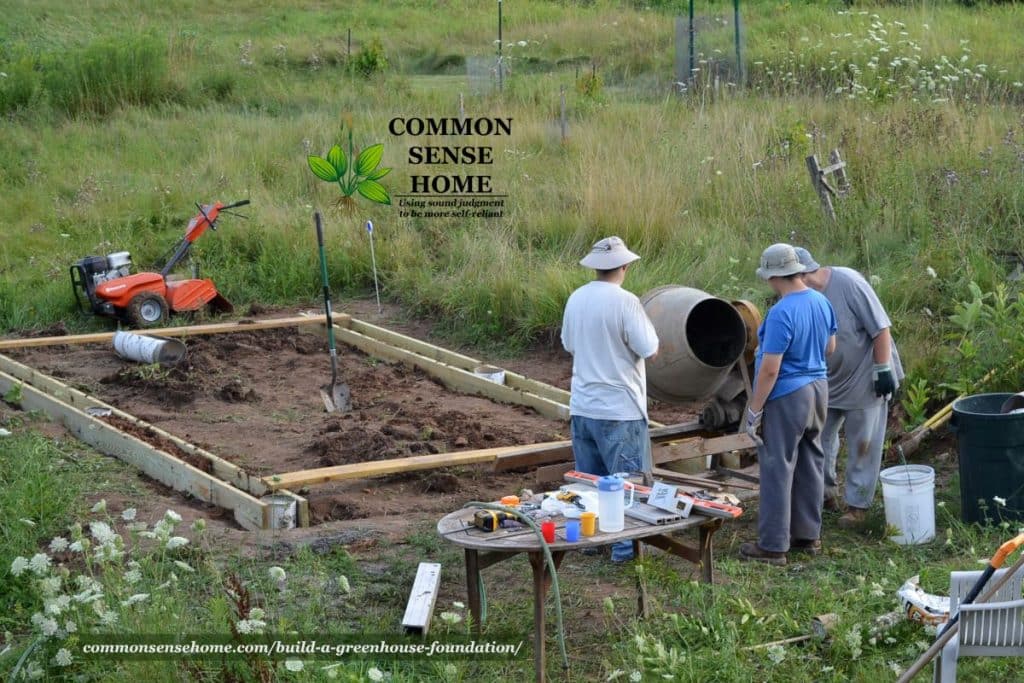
point(805, 546)
point(754, 553)
point(853, 519)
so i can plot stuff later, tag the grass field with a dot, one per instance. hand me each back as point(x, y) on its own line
point(116, 120)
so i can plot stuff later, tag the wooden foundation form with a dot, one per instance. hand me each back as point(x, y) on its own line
point(214, 480)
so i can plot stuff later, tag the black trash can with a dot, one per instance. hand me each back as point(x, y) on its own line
point(991, 447)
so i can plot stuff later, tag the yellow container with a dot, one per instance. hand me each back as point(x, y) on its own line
point(588, 523)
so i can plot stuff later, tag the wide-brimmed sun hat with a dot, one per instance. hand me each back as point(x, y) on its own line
point(609, 254)
point(806, 260)
point(779, 260)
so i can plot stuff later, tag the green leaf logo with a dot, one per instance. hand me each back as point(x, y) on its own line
point(374, 191)
point(337, 158)
point(323, 169)
point(361, 175)
point(368, 159)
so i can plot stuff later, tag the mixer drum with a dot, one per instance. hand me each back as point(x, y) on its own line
point(700, 339)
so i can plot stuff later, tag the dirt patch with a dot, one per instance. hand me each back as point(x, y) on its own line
point(237, 392)
point(412, 432)
point(329, 508)
point(171, 386)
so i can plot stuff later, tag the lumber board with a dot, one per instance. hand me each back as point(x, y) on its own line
point(553, 452)
point(451, 376)
point(184, 331)
point(534, 455)
point(223, 469)
point(402, 341)
point(378, 468)
point(666, 432)
point(440, 354)
point(422, 598)
point(697, 447)
point(249, 512)
point(322, 475)
point(551, 473)
point(513, 380)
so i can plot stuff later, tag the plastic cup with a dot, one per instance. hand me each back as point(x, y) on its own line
point(588, 522)
point(572, 530)
point(548, 530)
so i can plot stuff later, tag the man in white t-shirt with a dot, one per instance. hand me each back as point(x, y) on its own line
point(609, 335)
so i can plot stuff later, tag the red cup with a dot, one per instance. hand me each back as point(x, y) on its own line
point(548, 530)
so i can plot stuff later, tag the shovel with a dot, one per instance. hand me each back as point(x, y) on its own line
point(337, 397)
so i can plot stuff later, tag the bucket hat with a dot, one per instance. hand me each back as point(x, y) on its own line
point(608, 254)
point(806, 260)
point(779, 260)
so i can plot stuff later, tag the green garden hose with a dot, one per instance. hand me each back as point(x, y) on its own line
point(529, 521)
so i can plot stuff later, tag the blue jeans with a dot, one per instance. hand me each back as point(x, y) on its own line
point(604, 447)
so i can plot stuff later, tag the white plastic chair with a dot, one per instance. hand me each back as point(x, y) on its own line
point(988, 629)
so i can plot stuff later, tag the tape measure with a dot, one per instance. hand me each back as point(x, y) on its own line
point(491, 520)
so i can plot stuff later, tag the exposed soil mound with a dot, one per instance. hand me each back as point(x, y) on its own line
point(326, 508)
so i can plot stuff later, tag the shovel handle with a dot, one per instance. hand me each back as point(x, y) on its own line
point(323, 274)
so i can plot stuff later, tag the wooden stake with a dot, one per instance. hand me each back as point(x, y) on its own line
point(819, 185)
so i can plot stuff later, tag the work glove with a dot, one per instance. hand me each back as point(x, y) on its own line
point(885, 383)
point(753, 425)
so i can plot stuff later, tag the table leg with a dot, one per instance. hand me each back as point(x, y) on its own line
point(473, 586)
point(641, 580)
point(541, 582)
point(706, 550)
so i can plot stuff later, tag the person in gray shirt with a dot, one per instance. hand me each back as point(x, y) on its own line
point(863, 374)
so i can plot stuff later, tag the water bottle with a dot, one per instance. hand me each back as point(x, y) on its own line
point(611, 503)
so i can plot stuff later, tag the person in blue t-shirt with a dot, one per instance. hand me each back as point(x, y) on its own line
point(787, 411)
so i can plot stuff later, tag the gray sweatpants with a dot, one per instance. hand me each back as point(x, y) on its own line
point(792, 467)
point(864, 430)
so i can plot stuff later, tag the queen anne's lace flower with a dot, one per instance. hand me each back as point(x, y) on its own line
point(135, 599)
point(102, 532)
point(40, 563)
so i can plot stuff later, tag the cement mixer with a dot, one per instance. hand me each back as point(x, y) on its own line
point(701, 339)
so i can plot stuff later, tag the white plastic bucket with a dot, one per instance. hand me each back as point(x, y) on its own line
point(139, 347)
point(909, 495)
point(490, 373)
point(282, 511)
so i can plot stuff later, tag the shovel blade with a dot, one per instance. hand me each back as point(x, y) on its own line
point(336, 397)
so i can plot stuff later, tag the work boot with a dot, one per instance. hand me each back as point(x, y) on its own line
point(805, 546)
point(853, 519)
point(752, 552)
point(833, 504)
